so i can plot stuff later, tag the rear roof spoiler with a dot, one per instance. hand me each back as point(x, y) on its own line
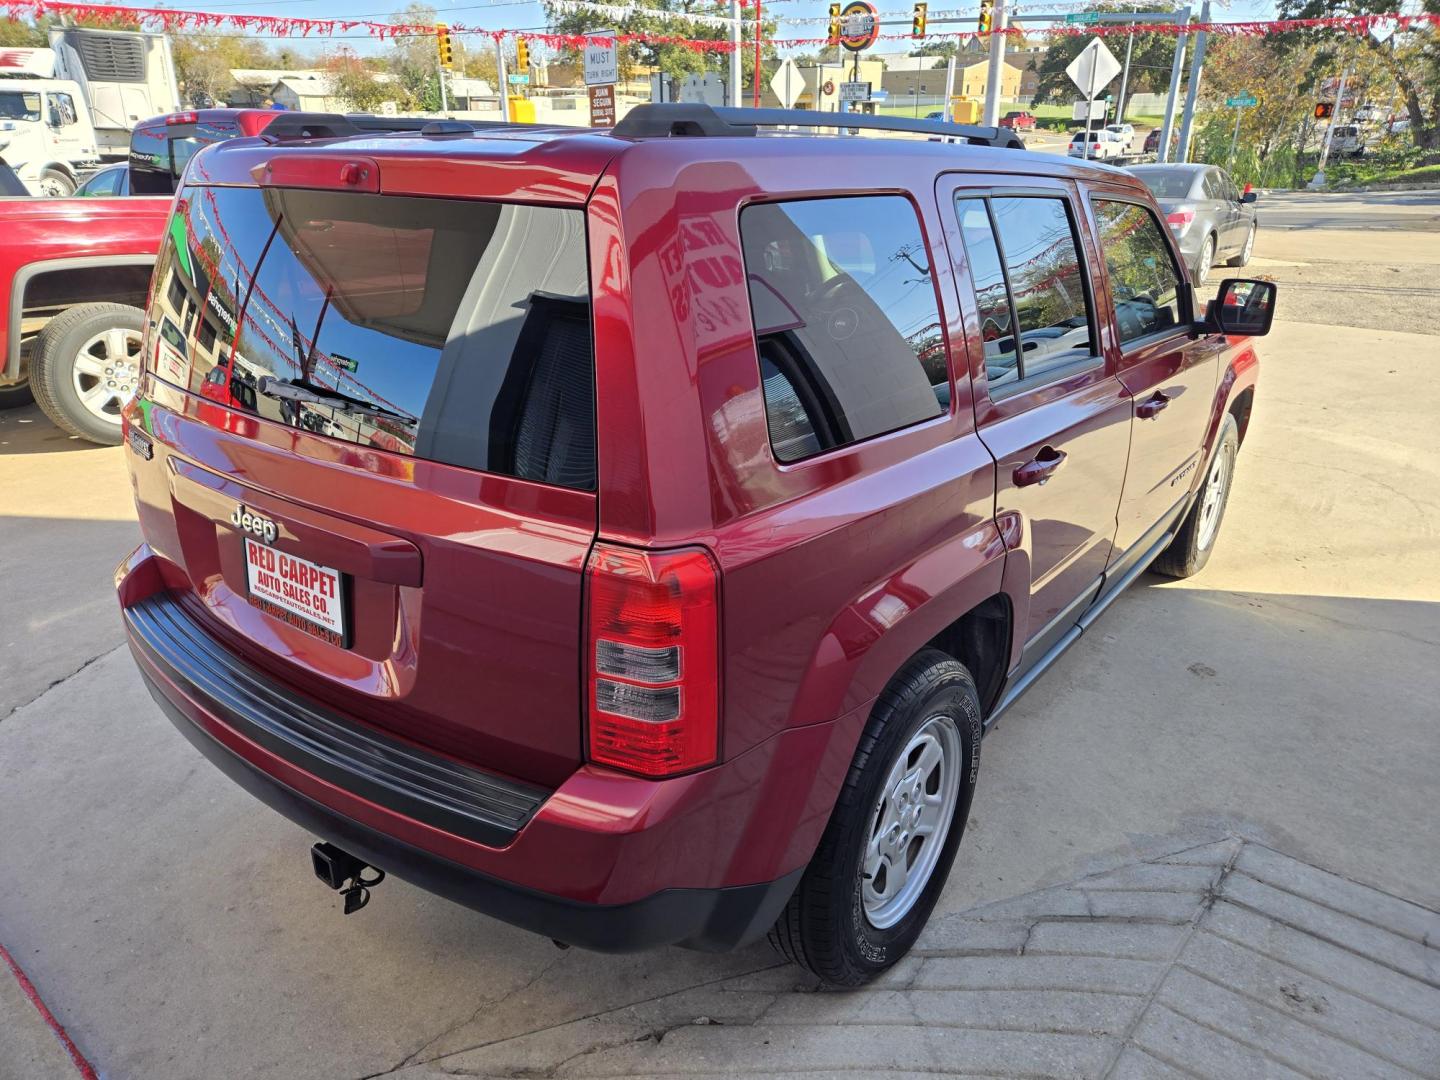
point(675, 119)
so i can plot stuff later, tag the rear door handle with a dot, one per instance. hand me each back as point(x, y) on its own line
point(1040, 468)
point(1151, 406)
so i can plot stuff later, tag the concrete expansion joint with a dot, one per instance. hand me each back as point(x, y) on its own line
point(60, 682)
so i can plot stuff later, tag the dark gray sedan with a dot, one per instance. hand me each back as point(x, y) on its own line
point(1213, 222)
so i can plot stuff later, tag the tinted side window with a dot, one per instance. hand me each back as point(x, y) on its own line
point(1034, 239)
point(1212, 186)
point(846, 320)
point(1143, 278)
point(993, 299)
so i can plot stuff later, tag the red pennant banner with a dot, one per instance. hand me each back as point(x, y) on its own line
point(290, 26)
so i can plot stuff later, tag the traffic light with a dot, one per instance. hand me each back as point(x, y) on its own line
point(985, 16)
point(917, 24)
point(1324, 110)
point(522, 55)
point(443, 46)
point(834, 24)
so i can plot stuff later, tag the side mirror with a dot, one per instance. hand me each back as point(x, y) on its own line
point(1250, 197)
point(1244, 307)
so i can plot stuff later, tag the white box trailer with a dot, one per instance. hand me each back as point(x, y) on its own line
point(125, 76)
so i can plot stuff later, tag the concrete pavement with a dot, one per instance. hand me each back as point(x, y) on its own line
point(1271, 722)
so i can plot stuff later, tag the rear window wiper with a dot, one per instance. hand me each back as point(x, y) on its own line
point(312, 393)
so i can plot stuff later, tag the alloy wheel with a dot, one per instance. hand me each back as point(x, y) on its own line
point(910, 822)
point(1207, 257)
point(1212, 498)
point(106, 372)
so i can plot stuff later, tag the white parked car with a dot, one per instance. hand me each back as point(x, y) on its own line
point(1348, 139)
point(1104, 145)
point(1125, 133)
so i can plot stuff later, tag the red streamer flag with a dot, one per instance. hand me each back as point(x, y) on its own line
point(291, 26)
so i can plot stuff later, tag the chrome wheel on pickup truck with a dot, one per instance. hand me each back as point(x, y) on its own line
point(87, 367)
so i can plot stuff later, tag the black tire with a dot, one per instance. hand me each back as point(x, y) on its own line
point(56, 184)
point(825, 928)
point(1190, 550)
point(1205, 259)
point(12, 397)
point(1242, 257)
point(53, 365)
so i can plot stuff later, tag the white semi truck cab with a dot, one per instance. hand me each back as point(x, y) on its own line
point(45, 132)
point(66, 108)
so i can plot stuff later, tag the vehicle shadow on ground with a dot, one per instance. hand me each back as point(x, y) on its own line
point(181, 932)
point(27, 430)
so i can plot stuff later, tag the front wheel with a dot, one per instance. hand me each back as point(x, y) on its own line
point(1243, 259)
point(885, 855)
point(1190, 550)
point(56, 184)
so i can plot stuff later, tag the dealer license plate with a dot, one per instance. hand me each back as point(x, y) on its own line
point(302, 593)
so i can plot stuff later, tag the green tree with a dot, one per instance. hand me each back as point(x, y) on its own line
point(203, 63)
point(17, 33)
point(1410, 59)
point(415, 61)
point(1150, 61)
point(354, 82)
point(674, 60)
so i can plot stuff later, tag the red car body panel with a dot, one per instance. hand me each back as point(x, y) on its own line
point(834, 570)
point(45, 233)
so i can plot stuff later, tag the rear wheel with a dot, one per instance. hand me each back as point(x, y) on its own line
point(56, 184)
point(887, 850)
point(86, 368)
point(1190, 550)
point(1205, 261)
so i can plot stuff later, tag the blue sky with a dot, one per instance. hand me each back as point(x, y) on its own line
point(527, 15)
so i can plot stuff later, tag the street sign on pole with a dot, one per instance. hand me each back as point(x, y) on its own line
point(1246, 100)
point(1085, 17)
point(1093, 70)
point(788, 83)
point(854, 91)
point(602, 106)
point(602, 65)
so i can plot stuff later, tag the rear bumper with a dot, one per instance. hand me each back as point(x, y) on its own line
point(712, 920)
point(609, 862)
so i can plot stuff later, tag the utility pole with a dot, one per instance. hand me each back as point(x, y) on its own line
point(758, 5)
point(994, 76)
point(1193, 90)
point(735, 53)
point(1125, 75)
point(1319, 179)
point(1177, 69)
point(502, 80)
point(949, 86)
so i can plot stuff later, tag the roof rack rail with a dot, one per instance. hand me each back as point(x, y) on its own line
point(316, 125)
point(675, 119)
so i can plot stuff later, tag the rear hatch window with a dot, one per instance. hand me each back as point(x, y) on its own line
point(455, 331)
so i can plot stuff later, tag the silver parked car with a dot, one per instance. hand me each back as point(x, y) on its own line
point(1212, 221)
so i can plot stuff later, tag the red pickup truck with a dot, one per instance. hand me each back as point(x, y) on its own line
point(74, 273)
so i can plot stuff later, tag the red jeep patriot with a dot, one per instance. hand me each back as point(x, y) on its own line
point(631, 534)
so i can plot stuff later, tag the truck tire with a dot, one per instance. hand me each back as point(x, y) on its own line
point(887, 850)
point(12, 397)
point(56, 184)
point(1190, 550)
point(86, 367)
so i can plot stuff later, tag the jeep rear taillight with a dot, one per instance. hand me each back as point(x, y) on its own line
point(652, 659)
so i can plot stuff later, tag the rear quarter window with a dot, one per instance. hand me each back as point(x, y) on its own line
point(846, 320)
